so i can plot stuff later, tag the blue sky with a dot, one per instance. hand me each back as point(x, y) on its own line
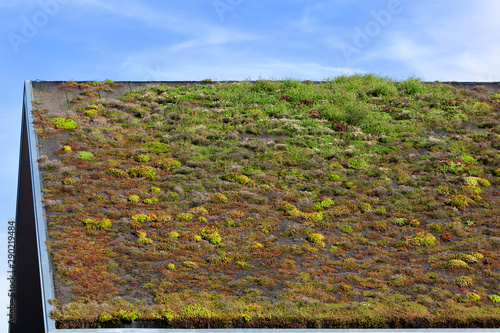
point(446, 40)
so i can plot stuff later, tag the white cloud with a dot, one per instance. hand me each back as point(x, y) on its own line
point(462, 66)
point(461, 46)
point(260, 68)
point(167, 16)
point(214, 36)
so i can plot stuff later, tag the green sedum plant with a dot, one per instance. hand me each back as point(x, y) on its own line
point(165, 314)
point(196, 311)
point(459, 201)
point(323, 204)
point(127, 315)
point(134, 198)
point(219, 197)
point(423, 239)
point(145, 171)
point(97, 224)
point(155, 147)
point(84, 155)
point(141, 218)
point(185, 217)
point(117, 172)
point(464, 281)
point(237, 177)
point(104, 317)
point(169, 164)
point(317, 239)
point(494, 298)
point(365, 207)
point(358, 163)
point(155, 189)
point(290, 209)
point(63, 123)
point(143, 158)
point(211, 234)
point(457, 264)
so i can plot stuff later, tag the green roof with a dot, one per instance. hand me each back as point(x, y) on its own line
point(354, 202)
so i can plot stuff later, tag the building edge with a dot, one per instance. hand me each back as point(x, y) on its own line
point(34, 286)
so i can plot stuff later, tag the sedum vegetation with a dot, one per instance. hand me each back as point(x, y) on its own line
point(354, 202)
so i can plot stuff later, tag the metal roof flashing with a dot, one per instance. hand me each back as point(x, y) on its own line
point(40, 221)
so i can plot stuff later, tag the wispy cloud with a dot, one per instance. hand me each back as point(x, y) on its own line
point(164, 15)
point(215, 36)
point(460, 46)
point(268, 68)
point(170, 31)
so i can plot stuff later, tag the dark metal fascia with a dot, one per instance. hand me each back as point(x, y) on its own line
point(40, 222)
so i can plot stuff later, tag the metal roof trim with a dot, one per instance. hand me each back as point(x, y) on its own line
point(40, 221)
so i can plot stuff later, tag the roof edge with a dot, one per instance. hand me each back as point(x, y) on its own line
point(40, 221)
